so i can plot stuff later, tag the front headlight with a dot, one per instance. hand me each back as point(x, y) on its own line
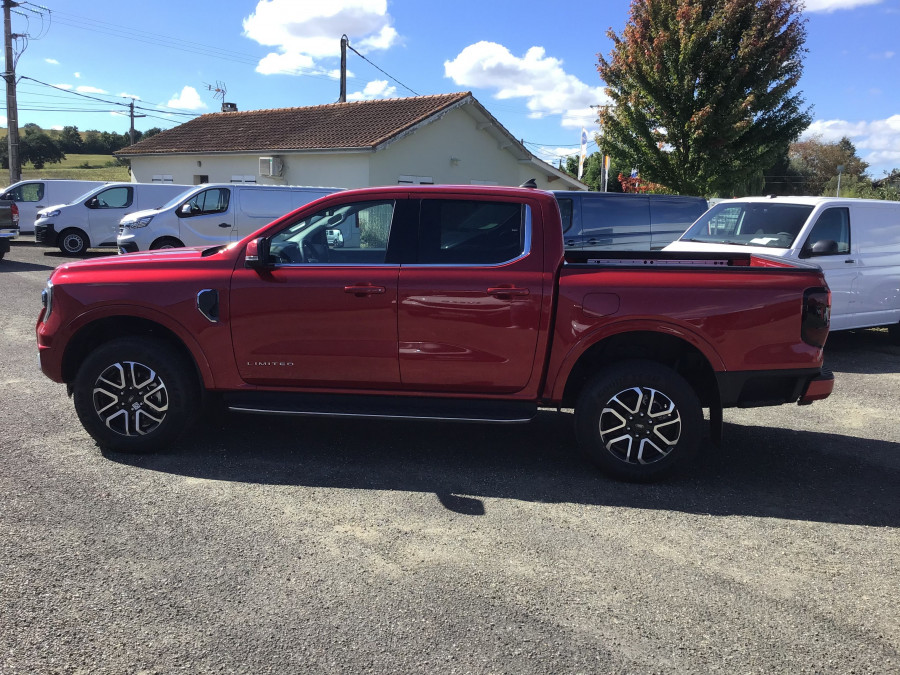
point(48, 214)
point(47, 299)
point(136, 223)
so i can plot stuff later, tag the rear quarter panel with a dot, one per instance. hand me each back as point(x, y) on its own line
point(739, 318)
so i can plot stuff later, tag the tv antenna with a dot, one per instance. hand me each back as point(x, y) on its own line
point(219, 88)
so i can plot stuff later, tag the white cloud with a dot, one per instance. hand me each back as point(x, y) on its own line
point(536, 77)
point(188, 99)
point(134, 96)
point(53, 62)
point(63, 86)
point(877, 142)
point(57, 127)
point(305, 32)
point(77, 75)
point(834, 5)
point(90, 90)
point(374, 89)
point(3, 120)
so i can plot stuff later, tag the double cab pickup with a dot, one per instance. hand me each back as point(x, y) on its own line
point(441, 302)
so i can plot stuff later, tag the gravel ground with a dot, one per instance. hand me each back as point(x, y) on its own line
point(268, 545)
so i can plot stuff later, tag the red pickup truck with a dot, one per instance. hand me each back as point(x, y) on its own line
point(442, 302)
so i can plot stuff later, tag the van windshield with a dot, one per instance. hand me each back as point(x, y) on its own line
point(177, 199)
point(750, 224)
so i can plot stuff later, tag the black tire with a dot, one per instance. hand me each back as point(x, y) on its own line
point(73, 241)
point(136, 394)
point(638, 420)
point(165, 242)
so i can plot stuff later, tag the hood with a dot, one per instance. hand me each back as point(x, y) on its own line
point(134, 215)
point(51, 208)
point(123, 265)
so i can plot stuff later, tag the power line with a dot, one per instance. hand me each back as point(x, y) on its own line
point(380, 70)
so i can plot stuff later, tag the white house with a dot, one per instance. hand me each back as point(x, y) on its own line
point(440, 139)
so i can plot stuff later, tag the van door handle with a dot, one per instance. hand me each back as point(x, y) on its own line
point(364, 289)
point(224, 224)
point(849, 261)
point(502, 292)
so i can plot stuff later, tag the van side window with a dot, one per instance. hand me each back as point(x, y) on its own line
point(834, 225)
point(209, 201)
point(115, 198)
point(566, 209)
point(462, 232)
point(30, 192)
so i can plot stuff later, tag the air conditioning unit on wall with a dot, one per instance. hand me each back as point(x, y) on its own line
point(270, 166)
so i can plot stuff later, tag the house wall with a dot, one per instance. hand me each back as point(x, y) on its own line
point(450, 150)
point(325, 170)
point(454, 151)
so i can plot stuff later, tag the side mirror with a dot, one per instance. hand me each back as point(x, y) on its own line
point(257, 254)
point(186, 209)
point(824, 247)
point(92, 203)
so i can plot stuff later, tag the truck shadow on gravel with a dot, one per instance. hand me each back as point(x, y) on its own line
point(16, 266)
point(761, 471)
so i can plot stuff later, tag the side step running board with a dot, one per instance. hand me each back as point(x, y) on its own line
point(386, 407)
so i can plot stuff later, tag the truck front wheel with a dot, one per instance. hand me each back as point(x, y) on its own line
point(135, 394)
point(638, 420)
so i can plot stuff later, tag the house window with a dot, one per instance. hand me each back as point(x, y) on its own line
point(243, 179)
point(415, 180)
point(200, 179)
point(163, 178)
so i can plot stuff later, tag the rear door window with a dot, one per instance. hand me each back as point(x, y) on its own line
point(670, 217)
point(464, 232)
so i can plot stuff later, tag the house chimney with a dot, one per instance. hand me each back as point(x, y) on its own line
point(229, 107)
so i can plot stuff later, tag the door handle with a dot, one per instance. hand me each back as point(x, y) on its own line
point(362, 290)
point(849, 261)
point(503, 292)
point(224, 224)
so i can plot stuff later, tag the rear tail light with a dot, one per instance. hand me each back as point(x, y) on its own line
point(816, 316)
point(14, 210)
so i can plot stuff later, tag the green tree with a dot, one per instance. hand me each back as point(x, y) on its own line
point(592, 175)
point(38, 148)
point(152, 131)
point(703, 90)
point(819, 161)
point(70, 140)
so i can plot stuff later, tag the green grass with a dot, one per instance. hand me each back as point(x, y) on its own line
point(80, 167)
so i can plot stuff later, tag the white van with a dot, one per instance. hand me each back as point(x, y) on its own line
point(32, 196)
point(93, 219)
point(856, 242)
point(211, 214)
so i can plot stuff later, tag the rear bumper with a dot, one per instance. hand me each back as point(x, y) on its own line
point(755, 388)
point(818, 388)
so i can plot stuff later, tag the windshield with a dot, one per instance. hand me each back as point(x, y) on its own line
point(180, 198)
point(750, 224)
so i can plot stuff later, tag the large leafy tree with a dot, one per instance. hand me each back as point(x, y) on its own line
point(819, 162)
point(703, 91)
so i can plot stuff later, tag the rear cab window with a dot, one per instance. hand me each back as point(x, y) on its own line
point(468, 232)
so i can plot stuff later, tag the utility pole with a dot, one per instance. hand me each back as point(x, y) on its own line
point(12, 111)
point(132, 115)
point(344, 41)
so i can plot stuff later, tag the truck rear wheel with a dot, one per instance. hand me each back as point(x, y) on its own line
point(73, 241)
point(638, 420)
point(135, 394)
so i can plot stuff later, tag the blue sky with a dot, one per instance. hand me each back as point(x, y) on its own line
point(532, 64)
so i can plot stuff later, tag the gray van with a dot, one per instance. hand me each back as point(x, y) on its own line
point(628, 222)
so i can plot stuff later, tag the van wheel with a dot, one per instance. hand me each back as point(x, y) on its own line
point(73, 241)
point(135, 394)
point(165, 242)
point(638, 420)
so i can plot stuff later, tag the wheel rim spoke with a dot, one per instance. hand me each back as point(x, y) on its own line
point(640, 425)
point(130, 398)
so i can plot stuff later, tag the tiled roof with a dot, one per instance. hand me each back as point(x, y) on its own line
point(361, 124)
